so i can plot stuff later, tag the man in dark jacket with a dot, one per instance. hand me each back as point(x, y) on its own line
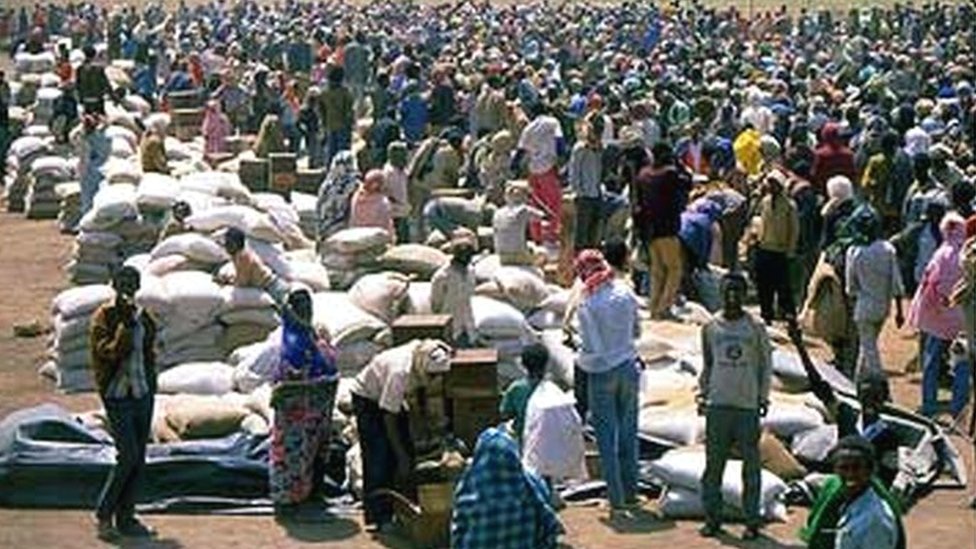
point(92, 83)
point(124, 366)
point(662, 191)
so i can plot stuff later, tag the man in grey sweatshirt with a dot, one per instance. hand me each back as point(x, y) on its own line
point(733, 395)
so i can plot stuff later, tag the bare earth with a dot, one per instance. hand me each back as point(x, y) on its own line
point(31, 254)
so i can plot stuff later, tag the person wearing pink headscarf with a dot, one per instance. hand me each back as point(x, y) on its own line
point(216, 127)
point(370, 206)
point(608, 357)
point(932, 311)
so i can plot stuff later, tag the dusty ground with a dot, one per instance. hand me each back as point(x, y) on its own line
point(31, 254)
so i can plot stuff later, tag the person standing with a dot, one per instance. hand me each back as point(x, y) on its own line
point(395, 187)
point(733, 394)
point(452, 288)
point(832, 157)
point(215, 128)
point(94, 149)
point(662, 194)
point(933, 313)
point(779, 230)
point(873, 281)
point(542, 144)
point(886, 179)
point(585, 178)
point(608, 324)
point(357, 64)
point(337, 114)
point(303, 396)
point(123, 360)
point(92, 83)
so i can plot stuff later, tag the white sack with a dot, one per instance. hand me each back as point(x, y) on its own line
point(198, 378)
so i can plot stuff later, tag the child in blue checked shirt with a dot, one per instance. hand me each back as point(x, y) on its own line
point(515, 401)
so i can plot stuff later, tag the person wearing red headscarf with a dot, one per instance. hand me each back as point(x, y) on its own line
point(832, 157)
point(608, 358)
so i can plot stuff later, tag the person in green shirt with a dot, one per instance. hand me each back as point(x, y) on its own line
point(515, 401)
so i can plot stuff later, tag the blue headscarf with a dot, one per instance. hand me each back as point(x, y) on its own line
point(300, 351)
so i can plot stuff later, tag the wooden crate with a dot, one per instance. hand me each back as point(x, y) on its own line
point(410, 327)
point(470, 416)
point(282, 169)
point(308, 180)
point(187, 99)
point(474, 373)
point(254, 174)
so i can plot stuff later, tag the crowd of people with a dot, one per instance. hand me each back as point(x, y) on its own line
point(825, 160)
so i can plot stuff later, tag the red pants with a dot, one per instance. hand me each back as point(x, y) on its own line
point(547, 195)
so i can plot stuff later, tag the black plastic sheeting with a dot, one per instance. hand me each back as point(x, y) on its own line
point(48, 459)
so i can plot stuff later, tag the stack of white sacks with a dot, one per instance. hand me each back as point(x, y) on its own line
point(351, 253)
point(69, 350)
point(41, 200)
point(111, 231)
point(20, 157)
point(33, 72)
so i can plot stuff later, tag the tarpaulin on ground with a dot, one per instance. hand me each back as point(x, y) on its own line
point(48, 459)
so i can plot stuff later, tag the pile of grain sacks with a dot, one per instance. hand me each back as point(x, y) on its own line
point(71, 312)
point(21, 155)
point(41, 200)
point(113, 230)
point(351, 253)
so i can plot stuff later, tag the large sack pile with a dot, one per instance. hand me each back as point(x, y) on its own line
point(247, 316)
point(357, 334)
point(69, 350)
point(20, 158)
point(111, 231)
point(186, 305)
point(351, 253)
point(41, 200)
point(417, 260)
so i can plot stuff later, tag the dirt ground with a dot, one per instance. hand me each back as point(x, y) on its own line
point(31, 255)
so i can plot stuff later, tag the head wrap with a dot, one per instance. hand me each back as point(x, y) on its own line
point(592, 269)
